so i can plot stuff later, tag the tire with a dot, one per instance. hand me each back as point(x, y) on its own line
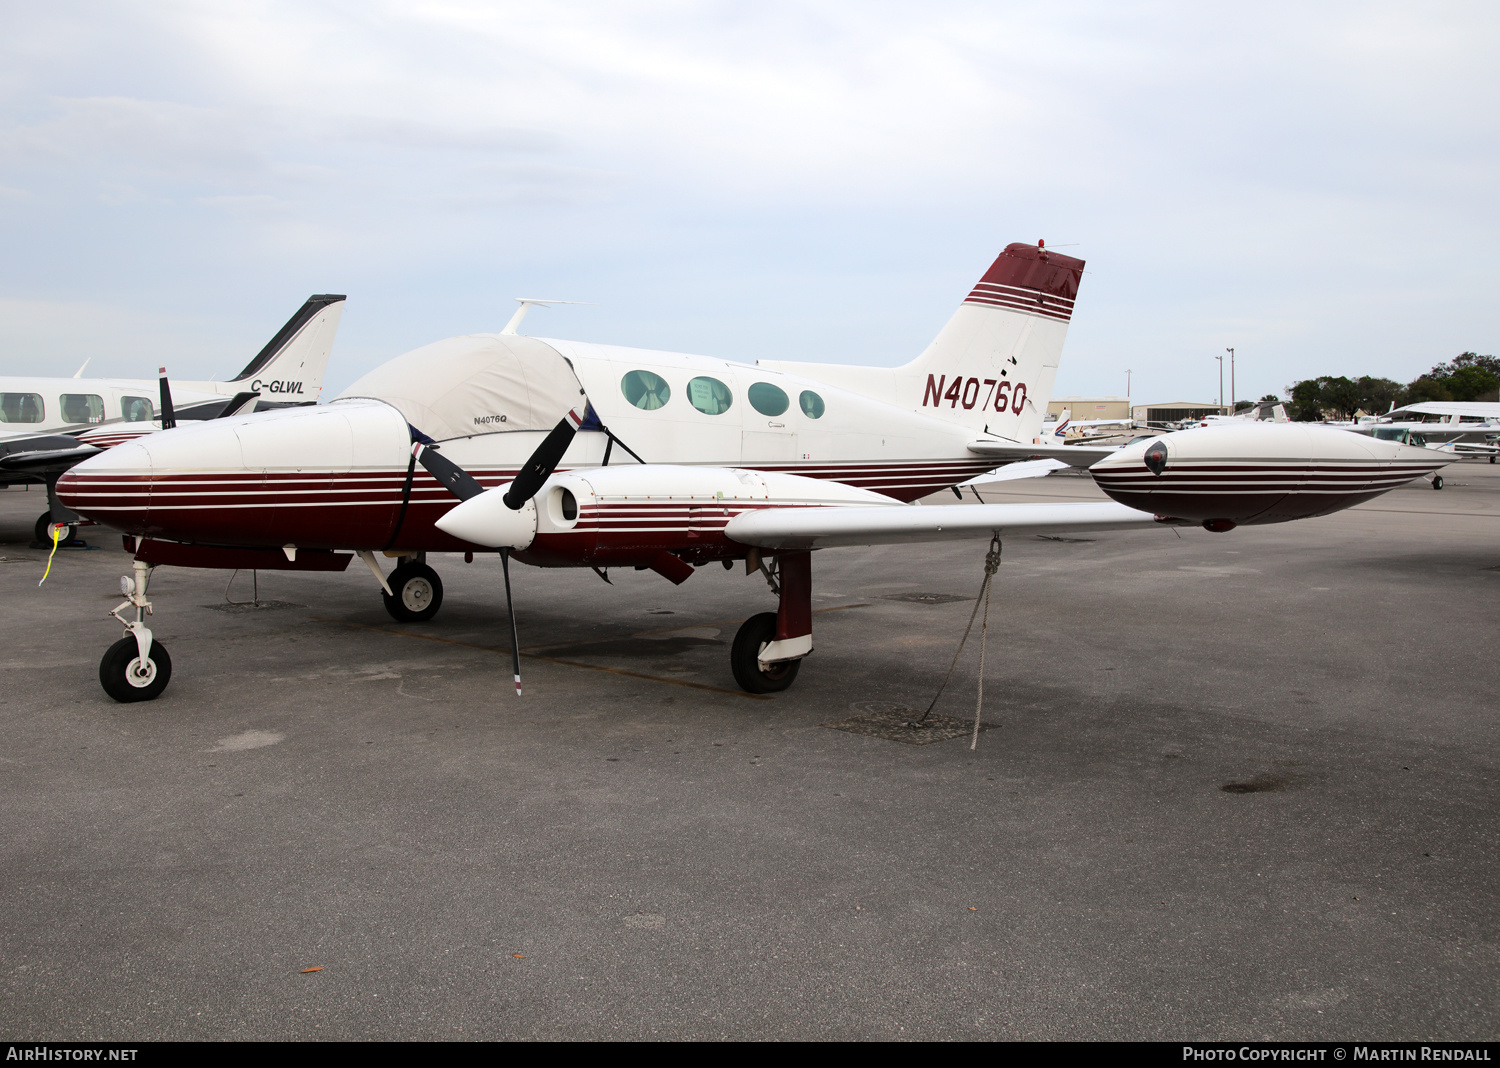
point(753, 636)
point(43, 530)
point(418, 590)
point(1437, 481)
point(125, 685)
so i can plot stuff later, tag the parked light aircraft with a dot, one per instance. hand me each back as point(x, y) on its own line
point(289, 368)
point(570, 454)
point(58, 422)
point(1464, 428)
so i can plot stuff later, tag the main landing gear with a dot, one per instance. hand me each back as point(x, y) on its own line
point(750, 642)
point(137, 667)
point(769, 647)
point(42, 531)
point(416, 592)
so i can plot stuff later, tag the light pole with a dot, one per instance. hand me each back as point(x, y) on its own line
point(1231, 379)
point(1129, 410)
point(1221, 383)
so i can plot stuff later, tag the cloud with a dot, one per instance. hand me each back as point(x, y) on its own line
point(1311, 183)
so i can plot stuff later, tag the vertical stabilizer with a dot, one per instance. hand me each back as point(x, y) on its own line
point(290, 368)
point(992, 366)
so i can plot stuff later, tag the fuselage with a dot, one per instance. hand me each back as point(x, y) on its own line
point(340, 476)
point(32, 405)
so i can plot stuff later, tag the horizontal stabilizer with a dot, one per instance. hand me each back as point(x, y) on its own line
point(1072, 455)
point(823, 528)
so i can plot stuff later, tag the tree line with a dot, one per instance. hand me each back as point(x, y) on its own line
point(1466, 377)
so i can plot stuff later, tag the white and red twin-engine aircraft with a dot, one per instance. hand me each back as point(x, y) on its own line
point(566, 454)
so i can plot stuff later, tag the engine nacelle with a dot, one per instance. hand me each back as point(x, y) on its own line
point(629, 515)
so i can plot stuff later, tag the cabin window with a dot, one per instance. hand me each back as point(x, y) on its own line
point(82, 408)
point(812, 404)
point(645, 390)
point(767, 399)
point(135, 409)
point(20, 407)
point(709, 396)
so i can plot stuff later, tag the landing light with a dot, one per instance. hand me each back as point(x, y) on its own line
point(1156, 457)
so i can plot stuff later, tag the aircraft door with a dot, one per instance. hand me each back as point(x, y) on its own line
point(769, 433)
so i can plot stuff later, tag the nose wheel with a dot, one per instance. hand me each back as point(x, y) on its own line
point(416, 593)
point(127, 677)
point(137, 667)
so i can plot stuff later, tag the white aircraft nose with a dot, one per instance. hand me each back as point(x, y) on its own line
point(485, 520)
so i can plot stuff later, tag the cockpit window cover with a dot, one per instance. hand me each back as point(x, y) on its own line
point(477, 384)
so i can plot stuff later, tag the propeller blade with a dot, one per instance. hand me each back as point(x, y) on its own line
point(510, 610)
point(457, 481)
point(168, 417)
point(543, 462)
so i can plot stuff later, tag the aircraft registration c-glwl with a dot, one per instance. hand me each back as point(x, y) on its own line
point(568, 454)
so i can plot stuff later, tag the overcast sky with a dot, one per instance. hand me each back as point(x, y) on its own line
point(1311, 183)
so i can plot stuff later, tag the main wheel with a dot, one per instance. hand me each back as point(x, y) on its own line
point(418, 590)
point(43, 530)
point(754, 635)
point(126, 679)
point(1437, 481)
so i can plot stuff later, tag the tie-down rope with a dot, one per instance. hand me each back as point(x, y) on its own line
point(991, 565)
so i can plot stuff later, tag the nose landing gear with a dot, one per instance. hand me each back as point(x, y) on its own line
point(137, 667)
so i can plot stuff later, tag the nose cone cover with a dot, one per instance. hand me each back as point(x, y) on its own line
point(328, 476)
point(485, 520)
point(113, 487)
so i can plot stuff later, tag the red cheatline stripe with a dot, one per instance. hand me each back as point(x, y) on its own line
point(995, 289)
point(1046, 311)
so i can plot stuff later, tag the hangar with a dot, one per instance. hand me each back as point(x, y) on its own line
point(1089, 408)
point(1175, 411)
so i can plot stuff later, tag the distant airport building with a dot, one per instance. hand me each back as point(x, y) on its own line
point(1090, 408)
point(1174, 411)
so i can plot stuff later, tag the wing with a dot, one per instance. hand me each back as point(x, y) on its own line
point(1072, 455)
point(42, 454)
point(1024, 469)
point(823, 528)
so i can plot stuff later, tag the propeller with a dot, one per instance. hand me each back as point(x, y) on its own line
point(168, 417)
point(528, 481)
point(543, 462)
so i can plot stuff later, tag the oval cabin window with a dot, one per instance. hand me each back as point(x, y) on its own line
point(812, 404)
point(645, 390)
point(709, 396)
point(767, 399)
point(135, 409)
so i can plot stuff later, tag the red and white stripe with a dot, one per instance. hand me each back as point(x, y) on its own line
point(1022, 299)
